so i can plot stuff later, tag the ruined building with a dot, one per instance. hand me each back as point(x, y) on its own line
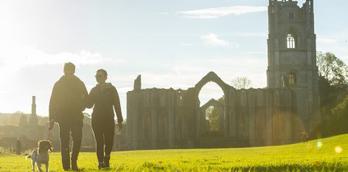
point(284, 112)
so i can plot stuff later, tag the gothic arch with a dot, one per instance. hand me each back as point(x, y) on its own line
point(212, 77)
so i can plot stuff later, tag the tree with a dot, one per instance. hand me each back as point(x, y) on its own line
point(333, 77)
point(213, 118)
point(241, 83)
point(341, 115)
point(23, 121)
point(333, 74)
point(332, 68)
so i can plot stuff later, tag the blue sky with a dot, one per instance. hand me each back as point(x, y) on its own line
point(171, 43)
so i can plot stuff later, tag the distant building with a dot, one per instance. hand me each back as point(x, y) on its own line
point(29, 128)
point(33, 120)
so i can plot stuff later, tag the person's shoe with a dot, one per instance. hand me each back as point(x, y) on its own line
point(66, 167)
point(106, 164)
point(100, 165)
point(106, 161)
point(74, 166)
point(66, 164)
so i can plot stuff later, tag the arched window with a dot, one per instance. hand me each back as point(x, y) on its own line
point(291, 42)
point(291, 79)
point(283, 82)
point(288, 80)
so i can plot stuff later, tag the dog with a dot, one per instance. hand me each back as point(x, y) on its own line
point(40, 156)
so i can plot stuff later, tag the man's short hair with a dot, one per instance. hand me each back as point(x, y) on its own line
point(69, 67)
point(102, 71)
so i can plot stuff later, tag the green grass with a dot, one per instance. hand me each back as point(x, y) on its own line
point(301, 157)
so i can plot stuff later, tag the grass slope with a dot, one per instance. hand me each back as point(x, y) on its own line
point(329, 154)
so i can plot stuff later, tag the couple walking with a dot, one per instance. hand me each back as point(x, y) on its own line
point(69, 98)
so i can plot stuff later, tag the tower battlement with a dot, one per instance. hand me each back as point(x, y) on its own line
point(307, 3)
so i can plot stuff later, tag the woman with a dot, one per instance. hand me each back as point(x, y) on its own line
point(105, 99)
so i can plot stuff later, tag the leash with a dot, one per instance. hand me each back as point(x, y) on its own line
point(49, 134)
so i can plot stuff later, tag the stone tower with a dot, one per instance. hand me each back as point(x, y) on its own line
point(33, 120)
point(292, 56)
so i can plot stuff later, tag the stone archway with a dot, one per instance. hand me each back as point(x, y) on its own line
point(212, 77)
point(215, 123)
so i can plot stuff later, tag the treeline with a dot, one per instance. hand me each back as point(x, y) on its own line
point(333, 88)
point(19, 119)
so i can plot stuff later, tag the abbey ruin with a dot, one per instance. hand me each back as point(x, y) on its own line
point(283, 112)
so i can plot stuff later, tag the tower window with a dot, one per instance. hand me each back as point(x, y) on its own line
point(291, 16)
point(283, 82)
point(288, 80)
point(291, 79)
point(291, 42)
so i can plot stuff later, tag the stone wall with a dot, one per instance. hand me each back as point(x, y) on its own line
point(168, 118)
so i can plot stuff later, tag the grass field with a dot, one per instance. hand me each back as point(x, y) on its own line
point(329, 154)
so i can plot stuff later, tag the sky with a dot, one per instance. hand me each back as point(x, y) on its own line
point(170, 43)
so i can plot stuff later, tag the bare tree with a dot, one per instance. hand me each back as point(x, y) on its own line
point(241, 83)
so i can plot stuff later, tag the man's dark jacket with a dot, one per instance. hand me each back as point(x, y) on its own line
point(68, 99)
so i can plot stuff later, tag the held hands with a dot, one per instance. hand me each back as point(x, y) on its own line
point(50, 125)
point(119, 124)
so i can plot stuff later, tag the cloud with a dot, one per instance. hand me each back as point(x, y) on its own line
point(17, 57)
point(19, 62)
point(212, 39)
point(211, 13)
point(29, 71)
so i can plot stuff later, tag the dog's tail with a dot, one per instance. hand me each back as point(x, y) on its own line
point(27, 156)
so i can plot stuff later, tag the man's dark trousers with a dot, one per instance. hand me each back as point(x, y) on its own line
point(104, 135)
point(75, 128)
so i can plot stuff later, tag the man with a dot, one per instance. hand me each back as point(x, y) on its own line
point(67, 102)
point(105, 99)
